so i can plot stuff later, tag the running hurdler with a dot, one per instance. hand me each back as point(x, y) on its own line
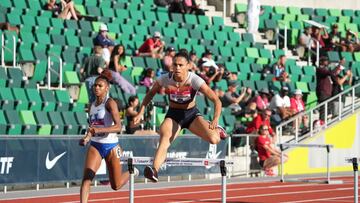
point(104, 124)
point(182, 87)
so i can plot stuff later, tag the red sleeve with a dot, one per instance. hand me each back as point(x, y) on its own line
point(252, 126)
point(145, 48)
point(293, 104)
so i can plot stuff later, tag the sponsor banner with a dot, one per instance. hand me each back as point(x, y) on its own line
point(34, 160)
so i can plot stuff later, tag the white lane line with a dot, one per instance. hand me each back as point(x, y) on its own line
point(269, 194)
point(323, 199)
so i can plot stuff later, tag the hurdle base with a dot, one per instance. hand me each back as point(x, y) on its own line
point(313, 181)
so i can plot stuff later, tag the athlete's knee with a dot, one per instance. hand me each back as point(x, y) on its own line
point(116, 186)
point(88, 174)
point(215, 139)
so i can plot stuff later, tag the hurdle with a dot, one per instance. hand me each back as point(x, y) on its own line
point(222, 163)
point(325, 146)
point(354, 162)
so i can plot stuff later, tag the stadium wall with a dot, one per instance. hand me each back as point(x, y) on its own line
point(345, 136)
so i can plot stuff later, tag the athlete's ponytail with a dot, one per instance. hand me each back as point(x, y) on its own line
point(105, 75)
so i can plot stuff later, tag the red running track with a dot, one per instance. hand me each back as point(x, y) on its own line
point(236, 192)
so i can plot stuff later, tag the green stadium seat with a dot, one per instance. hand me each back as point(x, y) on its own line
point(57, 23)
point(311, 100)
point(44, 125)
point(321, 12)
point(308, 11)
point(252, 52)
point(207, 34)
point(16, 76)
point(294, 10)
point(217, 21)
point(203, 20)
point(63, 100)
point(13, 19)
point(28, 20)
point(309, 70)
point(29, 123)
point(3, 77)
point(6, 3)
point(348, 12)
point(307, 78)
point(335, 12)
point(7, 100)
point(3, 123)
point(49, 100)
point(14, 121)
point(347, 55)
point(57, 122)
point(303, 86)
point(249, 83)
point(72, 127)
point(22, 102)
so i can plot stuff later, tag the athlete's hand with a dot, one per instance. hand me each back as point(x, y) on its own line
point(213, 124)
point(89, 133)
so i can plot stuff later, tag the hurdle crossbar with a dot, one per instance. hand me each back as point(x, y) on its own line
point(131, 161)
point(283, 146)
point(354, 162)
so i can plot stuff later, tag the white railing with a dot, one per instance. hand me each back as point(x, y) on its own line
point(283, 37)
point(51, 70)
point(332, 110)
point(311, 52)
point(4, 48)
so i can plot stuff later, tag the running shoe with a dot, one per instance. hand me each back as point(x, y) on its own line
point(269, 172)
point(151, 174)
point(222, 132)
point(136, 172)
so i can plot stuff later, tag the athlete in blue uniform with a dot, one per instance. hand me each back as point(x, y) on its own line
point(104, 124)
point(182, 87)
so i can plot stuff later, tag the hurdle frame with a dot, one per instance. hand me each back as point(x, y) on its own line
point(222, 163)
point(326, 146)
point(354, 162)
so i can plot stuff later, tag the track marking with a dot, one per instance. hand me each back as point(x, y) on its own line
point(322, 199)
point(269, 194)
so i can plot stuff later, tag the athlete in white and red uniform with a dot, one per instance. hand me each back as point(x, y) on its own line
point(182, 86)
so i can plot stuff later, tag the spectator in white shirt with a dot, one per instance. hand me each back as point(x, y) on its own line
point(280, 103)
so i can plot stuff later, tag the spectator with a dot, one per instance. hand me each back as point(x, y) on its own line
point(279, 71)
point(7, 26)
point(269, 156)
point(131, 112)
point(321, 35)
point(208, 57)
point(324, 87)
point(194, 61)
point(177, 6)
point(64, 10)
point(261, 119)
point(207, 73)
point(297, 105)
point(103, 40)
point(338, 81)
point(351, 42)
point(304, 40)
point(262, 100)
point(231, 99)
point(192, 8)
point(148, 79)
point(152, 47)
point(280, 104)
point(91, 69)
point(116, 69)
point(253, 12)
point(324, 82)
point(168, 59)
point(333, 42)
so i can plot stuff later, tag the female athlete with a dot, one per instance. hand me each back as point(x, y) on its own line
point(182, 87)
point(104, 124)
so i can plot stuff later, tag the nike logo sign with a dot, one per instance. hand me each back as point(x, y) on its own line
point(51, 163)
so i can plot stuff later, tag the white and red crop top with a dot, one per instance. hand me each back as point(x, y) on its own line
point(186, 92)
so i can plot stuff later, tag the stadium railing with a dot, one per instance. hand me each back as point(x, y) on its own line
point(329, 112)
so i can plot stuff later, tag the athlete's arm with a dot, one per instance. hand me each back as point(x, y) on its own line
point(205, 89)
point(148, 97)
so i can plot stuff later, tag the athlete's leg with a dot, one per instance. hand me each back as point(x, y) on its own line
point(92, 164)
point(200, 127)
point(169, 130)
point(116, 176)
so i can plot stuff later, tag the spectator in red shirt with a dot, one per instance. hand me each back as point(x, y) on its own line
point(262, 100)
point(268, 155)
point(261, 119)
point(152, 47)
point(297, 105)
